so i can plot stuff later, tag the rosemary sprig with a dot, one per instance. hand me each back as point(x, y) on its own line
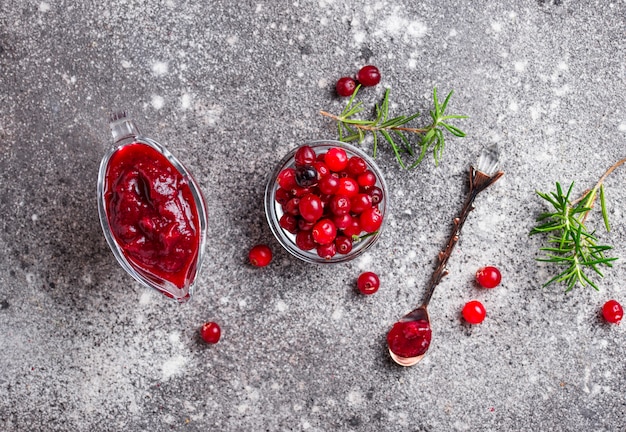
point(570, 244)
point(395, 131)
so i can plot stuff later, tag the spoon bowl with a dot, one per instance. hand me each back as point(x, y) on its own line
point(409, 338)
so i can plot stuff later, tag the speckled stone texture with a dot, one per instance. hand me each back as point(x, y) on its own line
point(230, 87)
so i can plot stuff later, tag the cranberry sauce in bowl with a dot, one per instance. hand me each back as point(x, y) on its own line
point(326, 201)
point(152, 212)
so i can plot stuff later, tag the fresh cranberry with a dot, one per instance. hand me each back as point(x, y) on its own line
point(376, 193)
point(348, 187)
point(305, 156)
point(360, 202)
point(321, 168)
point(343, 244)
point(345, 86)
point(327, 251)
point(354, 229)
point(299, 191)
point(488, 277)
point(367, 179)
point(310, 207)
point(368, 283)
point(409, 338)
point(371, 219)
point(339, 204)
point(356, 166)
point(328, 185)
point(289, 223)
point(342, 221)
point(260, 255)
point(292, 206)
point(305, 225)
point(282, 196)
point(287, 179)
point(304, 240)
point(474, 312)
point(336, 159)
point(612, 312)
point(324, 232)
point(368, 76)
point(210, 332)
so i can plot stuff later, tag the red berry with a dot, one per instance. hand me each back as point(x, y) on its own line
point(287, 179)
point(342, 221)
point(304, 240)
point(612, 312)
point(356, 166)
point(488, 277)
point(306, 176)
point(339, 204)
point(321, 168)
point(474, 312)
point(360, 202)
point(354, 229)
point(367, 179)
point(376, 193)
point(368, 283)
point(368, 76)
point(289, 223)
point(304, 156)
point(260, 255)
point(336, 159)
point(210, 332)
point(327, 251)
point(324, 232)
point(328, 185)
point(282, 196)
point(292, 206)
point(343, 244)
point(310, 207)
point(348, 187)
point(305, 225)
point(371, 219)
point(345, 86)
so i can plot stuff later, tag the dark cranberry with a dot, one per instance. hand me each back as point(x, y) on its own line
point(305, 155)
point(306, 176)
point(305, 225)
point(292, 206)
point(343, 244)
point(327, 251)
point(368, 76)
point(289, 223)
point(345, 86)
point(282, 196)
point(304, 240)
point(354, 229)
point(376, 193)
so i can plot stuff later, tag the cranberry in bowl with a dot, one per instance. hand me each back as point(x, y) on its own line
point(326, 202)
point(152, 212)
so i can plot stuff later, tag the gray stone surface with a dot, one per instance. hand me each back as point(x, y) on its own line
point(229, 87)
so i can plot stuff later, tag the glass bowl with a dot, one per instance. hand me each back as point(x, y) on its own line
point(274, 210)
point(178, 285)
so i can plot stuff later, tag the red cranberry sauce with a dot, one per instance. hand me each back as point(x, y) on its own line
point(409, 339)
point(152, 213)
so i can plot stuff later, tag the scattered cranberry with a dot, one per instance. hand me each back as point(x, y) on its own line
point(488, 277)
point(368, 283)
point(260, 255)
point(210, 332)
point(612, 312)
point(368, 76)
point(345, 86)
point(474, 312)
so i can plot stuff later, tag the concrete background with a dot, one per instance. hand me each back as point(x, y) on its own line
point(229, 88)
